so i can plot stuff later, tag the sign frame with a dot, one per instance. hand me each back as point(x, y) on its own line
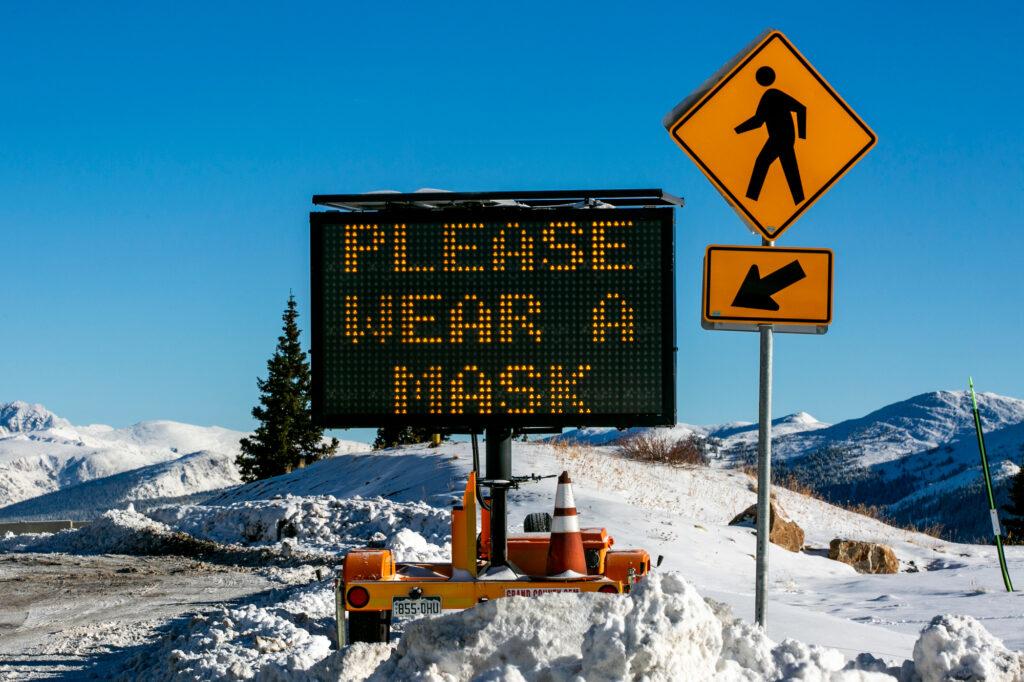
point(689, 107)
point(666, 414)
point(753, 322)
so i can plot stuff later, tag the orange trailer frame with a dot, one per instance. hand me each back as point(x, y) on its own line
point(371, 579)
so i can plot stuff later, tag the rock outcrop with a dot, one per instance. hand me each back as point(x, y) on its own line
point(782, 530)
point(865, 557)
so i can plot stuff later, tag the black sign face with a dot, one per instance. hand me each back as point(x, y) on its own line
point(520, 317)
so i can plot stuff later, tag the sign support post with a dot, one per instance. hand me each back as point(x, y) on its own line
point(766, 86)
point(764, 467)
point(996, 530)
point(498, 447)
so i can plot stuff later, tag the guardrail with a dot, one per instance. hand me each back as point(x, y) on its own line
point(20, 527)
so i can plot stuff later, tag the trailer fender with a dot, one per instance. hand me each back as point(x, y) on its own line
point(369, 564)
point(626, 565)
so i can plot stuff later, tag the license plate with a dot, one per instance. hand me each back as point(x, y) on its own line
point(407, 607)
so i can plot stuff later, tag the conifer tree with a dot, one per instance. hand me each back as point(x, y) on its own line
point(389, 437)
point(286, 433)
point(1013, 523)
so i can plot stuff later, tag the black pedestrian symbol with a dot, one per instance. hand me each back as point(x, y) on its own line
point(775, 112)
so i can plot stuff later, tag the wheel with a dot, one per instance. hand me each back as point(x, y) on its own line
point(369, 626)
point(538, 522)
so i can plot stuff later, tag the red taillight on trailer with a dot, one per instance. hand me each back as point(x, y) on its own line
point(358, 597)
point(608, 589)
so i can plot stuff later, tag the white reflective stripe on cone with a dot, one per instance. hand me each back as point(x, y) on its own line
point(565, 524)
point(563, 497)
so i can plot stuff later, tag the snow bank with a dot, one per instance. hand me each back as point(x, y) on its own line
point(960, 648)
point(280, 636)
point(286, 526)
point(355, 663)
point(231, 644)
point(664, 630)
point(118, 531)
point(415, 531)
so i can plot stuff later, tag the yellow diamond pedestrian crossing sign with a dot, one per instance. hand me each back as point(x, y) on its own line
point(770, 133)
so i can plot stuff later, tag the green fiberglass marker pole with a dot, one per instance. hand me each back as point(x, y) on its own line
point(988, 487)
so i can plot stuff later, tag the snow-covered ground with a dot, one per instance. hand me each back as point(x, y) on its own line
point(831, 613)
point(664, 630)
point(683, 515)
point(62, 613)
point(822, 614)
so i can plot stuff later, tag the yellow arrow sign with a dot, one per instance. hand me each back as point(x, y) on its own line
point(745, 286)
point(770, 134)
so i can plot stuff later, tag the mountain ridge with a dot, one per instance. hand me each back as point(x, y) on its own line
point(915, 459)
point(19, 416)
point(41, 452)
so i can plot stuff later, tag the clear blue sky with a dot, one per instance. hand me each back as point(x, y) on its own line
point(158, 162)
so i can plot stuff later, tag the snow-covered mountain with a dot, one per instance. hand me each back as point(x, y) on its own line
point(19, 417)
point(50, 469)
point(609, 435)
point(737, 435)
point(733, 436)
point(41, 452)
point(161, 483)
point(917, 459)
point(914, 425)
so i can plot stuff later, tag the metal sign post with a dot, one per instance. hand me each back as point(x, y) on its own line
point(764, 468)
point(499, 469)
point(993, 513)
point(768, 105)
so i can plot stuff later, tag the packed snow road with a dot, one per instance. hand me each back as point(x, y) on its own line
point(64, 614)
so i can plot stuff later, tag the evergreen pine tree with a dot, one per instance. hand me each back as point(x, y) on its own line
point(286, 433)
point(1013, 524)
point(388, 437)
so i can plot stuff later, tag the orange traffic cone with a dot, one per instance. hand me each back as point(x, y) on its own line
point(565, 551)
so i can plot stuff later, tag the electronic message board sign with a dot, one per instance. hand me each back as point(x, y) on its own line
point(464, 317)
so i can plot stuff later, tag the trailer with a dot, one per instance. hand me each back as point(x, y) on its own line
point(373, 588)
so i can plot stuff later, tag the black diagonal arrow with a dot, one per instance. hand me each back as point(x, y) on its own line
point(756, 291)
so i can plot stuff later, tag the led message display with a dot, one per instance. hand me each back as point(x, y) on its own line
point(522, 317)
